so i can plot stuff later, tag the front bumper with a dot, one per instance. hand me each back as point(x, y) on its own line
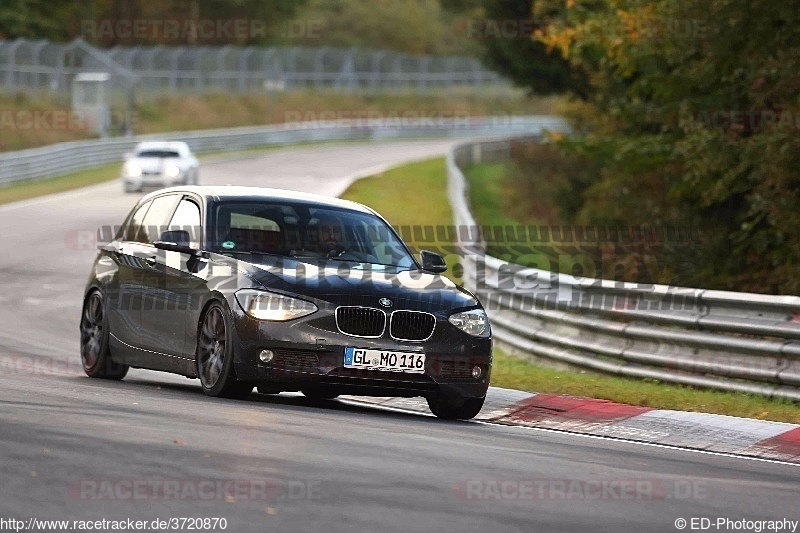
point(153, 180)
point(310, 354)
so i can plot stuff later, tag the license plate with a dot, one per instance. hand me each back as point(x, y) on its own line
point(413, 363)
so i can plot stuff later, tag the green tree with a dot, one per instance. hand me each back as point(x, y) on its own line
point(694, 114)
point(525, 60)
point(36, 19)
point(416, 27)
point(65, 20)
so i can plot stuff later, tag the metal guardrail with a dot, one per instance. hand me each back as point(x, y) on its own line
point(63, 158)
point(715, 339)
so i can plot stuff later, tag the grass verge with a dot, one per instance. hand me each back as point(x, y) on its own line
point(497, 207)
point(415, 194)
point(516, 373)
point(413, 198)
point(32, 188)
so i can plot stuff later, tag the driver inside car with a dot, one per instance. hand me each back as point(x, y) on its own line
point(330, 236)
point(335, 238)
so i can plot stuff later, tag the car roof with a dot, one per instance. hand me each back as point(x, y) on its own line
point(215, 193)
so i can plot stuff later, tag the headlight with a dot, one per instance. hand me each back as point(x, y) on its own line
point(172, 171)
point(265, 305)
point(474, 322)
point(132, 170)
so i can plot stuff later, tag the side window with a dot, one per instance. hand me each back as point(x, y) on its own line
point(254, 232)
point(187, 218)
point(135, 230)
point(158, 216)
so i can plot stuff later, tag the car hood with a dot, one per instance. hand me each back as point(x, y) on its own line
point(345, 283)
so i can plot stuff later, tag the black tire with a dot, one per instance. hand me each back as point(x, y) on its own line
point(95, 353)
point(319, 394)
point(455, 408)
point(214, 357)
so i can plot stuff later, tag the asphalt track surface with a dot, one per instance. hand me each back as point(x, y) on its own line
point(154, 447)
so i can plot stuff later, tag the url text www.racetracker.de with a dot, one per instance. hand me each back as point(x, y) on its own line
point(125, 524)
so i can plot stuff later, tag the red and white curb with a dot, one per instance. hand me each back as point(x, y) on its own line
point(700, 431)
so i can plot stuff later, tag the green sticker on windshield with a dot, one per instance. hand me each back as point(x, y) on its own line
point(229, 245)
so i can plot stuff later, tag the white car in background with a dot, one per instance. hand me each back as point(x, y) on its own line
point(159, 164)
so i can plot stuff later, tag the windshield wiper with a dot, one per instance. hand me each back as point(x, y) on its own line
point(249, 252)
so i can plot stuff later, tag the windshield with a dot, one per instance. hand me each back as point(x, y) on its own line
point(157, 153)
point(305, 232)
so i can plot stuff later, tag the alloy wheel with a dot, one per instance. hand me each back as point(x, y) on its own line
point(211, 353)
point(92, 331)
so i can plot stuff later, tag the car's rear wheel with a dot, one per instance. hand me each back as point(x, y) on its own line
point(95, 353)
point(215, 356)
point(455, 408)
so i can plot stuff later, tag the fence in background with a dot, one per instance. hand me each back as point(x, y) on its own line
point(46, 66)
point(723, 340)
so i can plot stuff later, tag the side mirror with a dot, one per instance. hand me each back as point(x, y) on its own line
point(432, 262)
point(176, 241)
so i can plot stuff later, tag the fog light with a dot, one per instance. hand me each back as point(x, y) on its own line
point(267, 355)
point(476, 372)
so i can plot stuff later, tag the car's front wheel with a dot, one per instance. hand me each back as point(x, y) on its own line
point(215, 356)
point(95, 353)
point(455, 408)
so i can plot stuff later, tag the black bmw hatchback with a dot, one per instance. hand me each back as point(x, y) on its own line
point(247, 287)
